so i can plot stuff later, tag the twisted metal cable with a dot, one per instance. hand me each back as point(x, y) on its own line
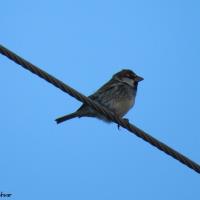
point(101, 109)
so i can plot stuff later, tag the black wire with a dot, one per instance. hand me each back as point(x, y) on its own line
point(123, 123)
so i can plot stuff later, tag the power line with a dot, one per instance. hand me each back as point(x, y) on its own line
point(101, 109)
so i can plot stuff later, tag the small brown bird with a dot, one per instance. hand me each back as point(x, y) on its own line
point(117, 95)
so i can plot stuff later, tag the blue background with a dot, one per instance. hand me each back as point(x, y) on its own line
point(84, 43)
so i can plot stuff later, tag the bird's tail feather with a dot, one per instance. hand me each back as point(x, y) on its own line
point(67, 117)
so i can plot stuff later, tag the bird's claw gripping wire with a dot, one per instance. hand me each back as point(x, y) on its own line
point(126, 120)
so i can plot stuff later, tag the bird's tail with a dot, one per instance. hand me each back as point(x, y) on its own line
point(67, 117)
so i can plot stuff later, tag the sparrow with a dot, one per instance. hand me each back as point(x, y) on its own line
point(117, 95)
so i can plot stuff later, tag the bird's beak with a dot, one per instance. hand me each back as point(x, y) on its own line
point(138, 78)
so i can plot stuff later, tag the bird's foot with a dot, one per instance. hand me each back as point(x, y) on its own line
point(118, 126)
point(125, 119)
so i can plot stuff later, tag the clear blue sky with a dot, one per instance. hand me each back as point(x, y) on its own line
point(83, 43)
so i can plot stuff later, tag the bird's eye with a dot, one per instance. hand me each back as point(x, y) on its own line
point(130, 76)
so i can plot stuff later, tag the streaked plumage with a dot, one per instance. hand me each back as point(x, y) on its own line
point(118, 95)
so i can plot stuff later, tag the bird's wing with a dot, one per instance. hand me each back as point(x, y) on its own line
point(101, 92)
point(104, 89)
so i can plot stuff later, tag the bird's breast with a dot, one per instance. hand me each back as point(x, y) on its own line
point(121, 107)
point(124, 100)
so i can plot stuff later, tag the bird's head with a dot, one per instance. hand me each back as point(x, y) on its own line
point(128, 76)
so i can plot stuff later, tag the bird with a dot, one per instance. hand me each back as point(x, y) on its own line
point(117, 95)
